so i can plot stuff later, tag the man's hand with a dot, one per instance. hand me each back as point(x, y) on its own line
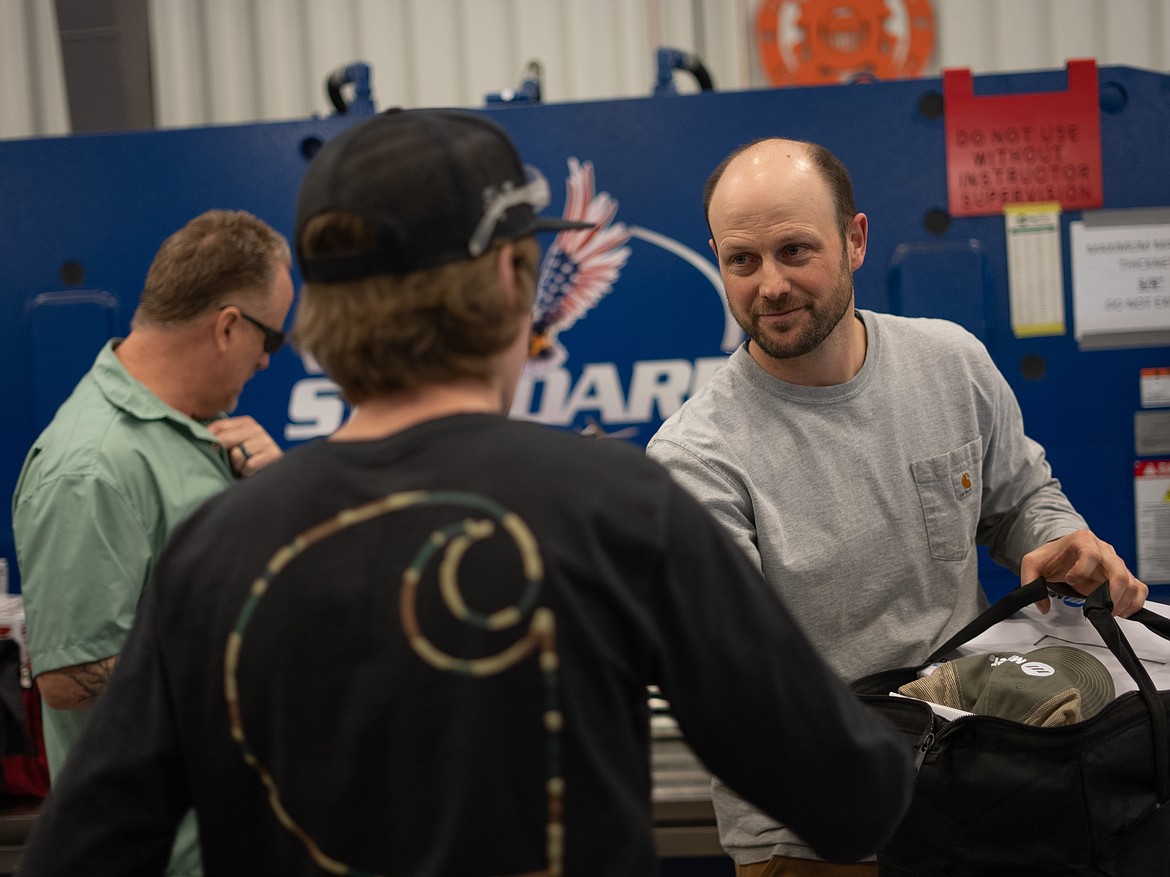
point(249, 447)
point(1083, 562)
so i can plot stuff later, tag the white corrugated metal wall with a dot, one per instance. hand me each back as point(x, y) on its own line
point(32, 83)
point(227, 61)
point(422, 52)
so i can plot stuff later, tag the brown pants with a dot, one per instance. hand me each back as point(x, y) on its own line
point(782, 866)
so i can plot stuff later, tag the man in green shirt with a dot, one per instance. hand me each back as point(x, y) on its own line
point(139, 444)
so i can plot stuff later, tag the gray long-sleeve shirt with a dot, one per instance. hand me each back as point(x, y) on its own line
point(863, 502)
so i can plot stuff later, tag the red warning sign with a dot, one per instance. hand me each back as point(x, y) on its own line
point(1023, 148)
point(1151, 469)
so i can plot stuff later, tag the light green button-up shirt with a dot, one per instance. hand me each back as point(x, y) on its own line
point(98, 496)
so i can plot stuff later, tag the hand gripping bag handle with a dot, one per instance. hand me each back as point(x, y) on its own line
point(1098, 610)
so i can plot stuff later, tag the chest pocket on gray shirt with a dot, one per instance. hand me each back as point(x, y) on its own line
point(949, 487)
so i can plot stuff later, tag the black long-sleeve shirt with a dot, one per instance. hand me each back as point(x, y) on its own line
point(428, 655)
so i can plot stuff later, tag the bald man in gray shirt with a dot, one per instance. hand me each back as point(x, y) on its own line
point(857, 457)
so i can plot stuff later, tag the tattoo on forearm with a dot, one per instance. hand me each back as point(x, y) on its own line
point(90, 679)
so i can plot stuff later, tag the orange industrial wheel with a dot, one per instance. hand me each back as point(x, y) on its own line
point(804, 42)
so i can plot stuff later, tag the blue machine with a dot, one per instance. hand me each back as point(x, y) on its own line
point(85, 214)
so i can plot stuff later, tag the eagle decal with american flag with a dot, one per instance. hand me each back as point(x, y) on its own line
point(579, 268)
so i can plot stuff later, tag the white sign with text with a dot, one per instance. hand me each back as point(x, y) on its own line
point(1121, 278)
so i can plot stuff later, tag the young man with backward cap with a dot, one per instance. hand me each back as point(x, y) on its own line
point(422, 646)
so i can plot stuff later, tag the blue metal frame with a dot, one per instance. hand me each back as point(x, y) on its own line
point(105, 202)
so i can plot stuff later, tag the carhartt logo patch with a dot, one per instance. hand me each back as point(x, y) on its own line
point(963, 482)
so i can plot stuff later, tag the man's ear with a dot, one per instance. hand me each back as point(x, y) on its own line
point(506, 268)
point(856, 238)
point(714, 249)
point(226, 321)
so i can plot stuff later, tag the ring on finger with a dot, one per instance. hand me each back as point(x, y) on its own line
point(244, 451)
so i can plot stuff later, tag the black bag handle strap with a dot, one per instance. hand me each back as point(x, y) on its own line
point(1002, 609)
point(1026, 595)
point(1156, 623)
point(1099, 611)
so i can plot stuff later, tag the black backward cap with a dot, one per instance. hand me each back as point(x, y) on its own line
point(424, 180)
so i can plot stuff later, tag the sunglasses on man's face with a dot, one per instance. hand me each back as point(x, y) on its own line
point(273, 338)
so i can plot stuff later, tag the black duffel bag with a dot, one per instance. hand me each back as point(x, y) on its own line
point(996, 798)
